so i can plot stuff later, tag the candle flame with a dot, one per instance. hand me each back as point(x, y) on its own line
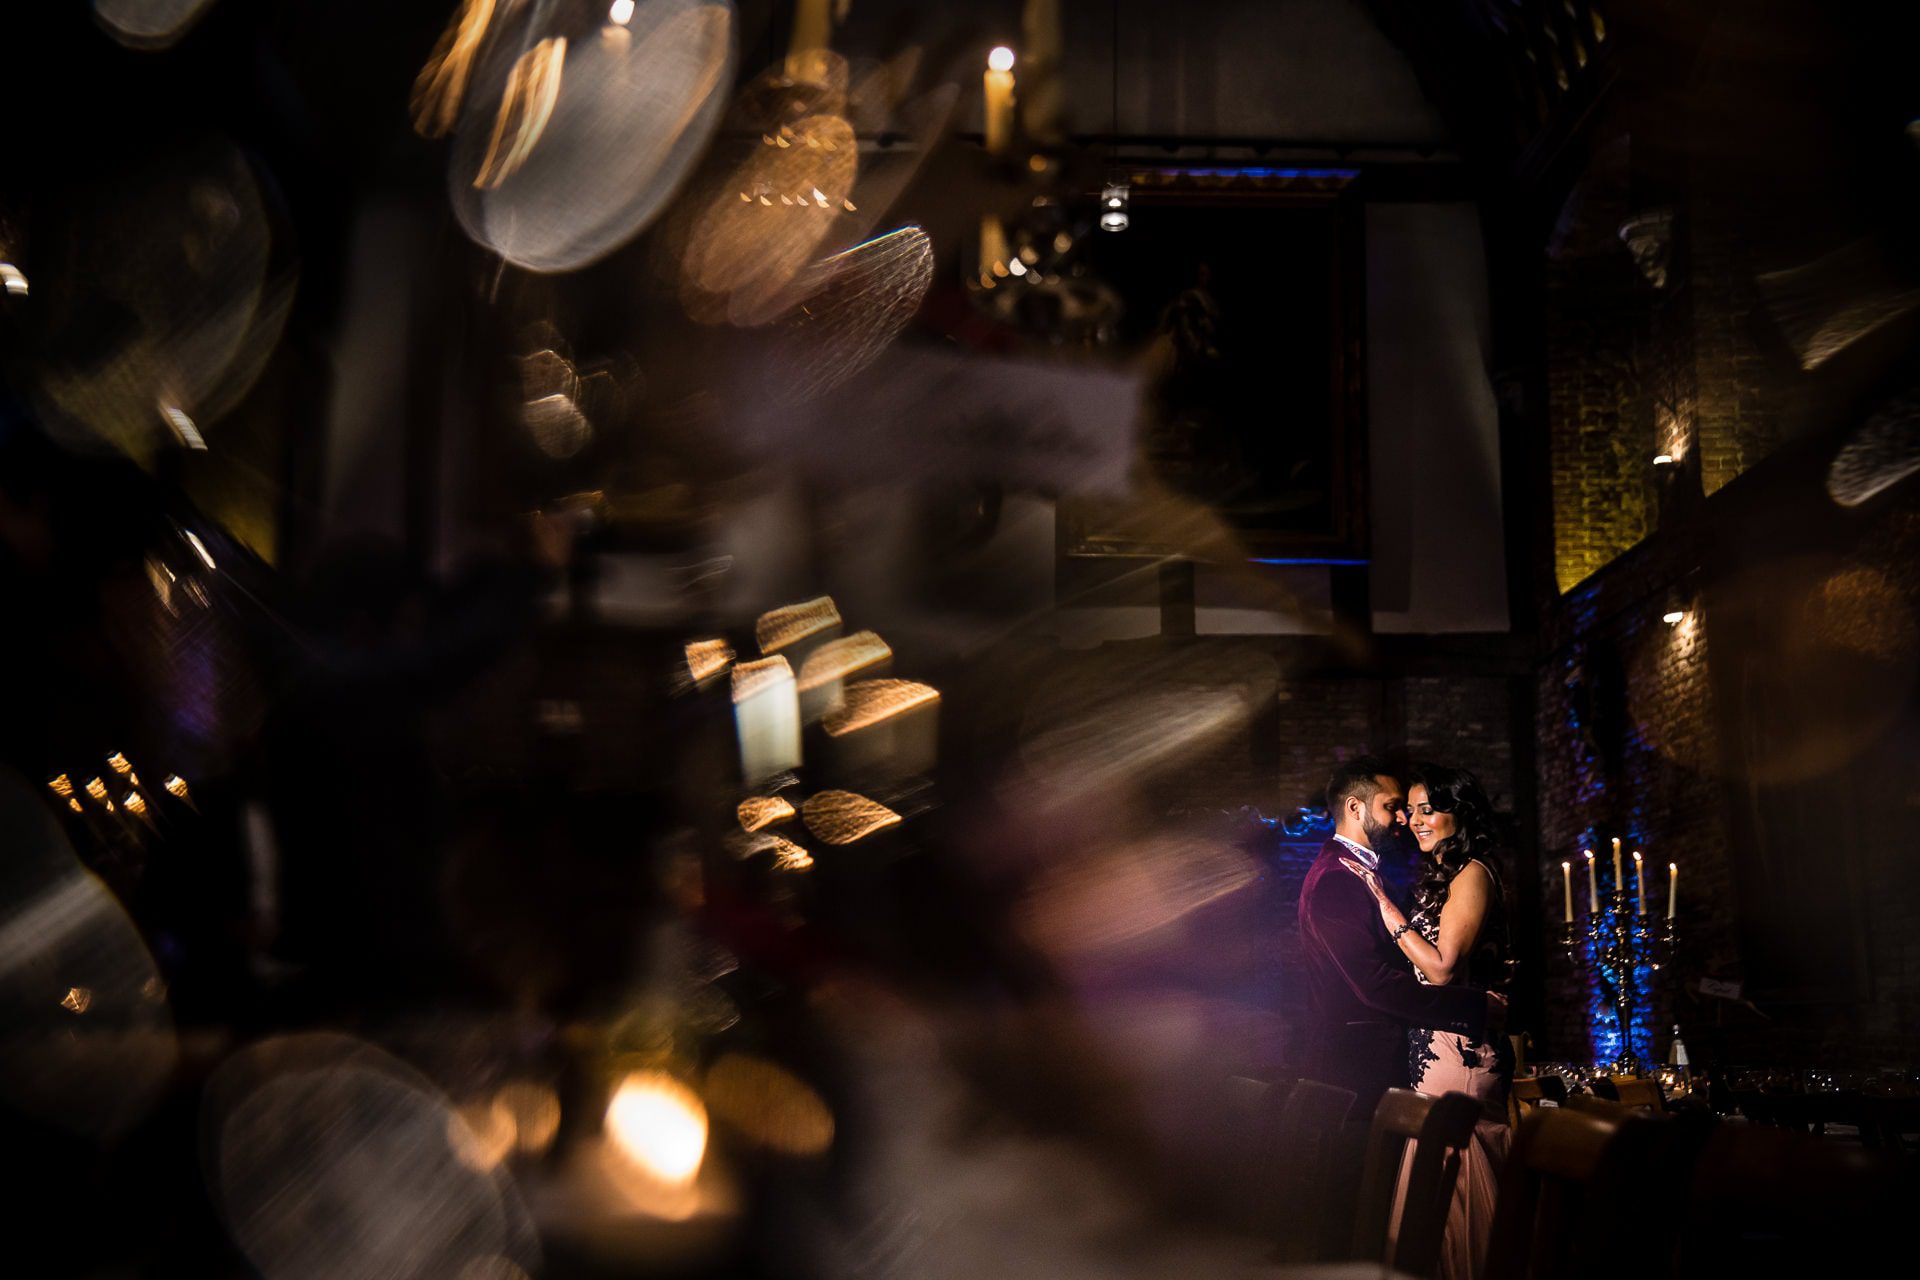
point(1001, 59)
point(659, 1125)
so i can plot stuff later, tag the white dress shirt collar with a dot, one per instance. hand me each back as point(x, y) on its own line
point(1367, 856)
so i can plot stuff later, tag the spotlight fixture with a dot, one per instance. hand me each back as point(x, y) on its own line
point(1113, 207)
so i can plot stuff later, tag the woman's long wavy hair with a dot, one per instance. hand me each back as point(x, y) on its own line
point(1475, 833)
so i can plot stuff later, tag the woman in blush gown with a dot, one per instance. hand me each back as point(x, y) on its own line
point(1457, 933)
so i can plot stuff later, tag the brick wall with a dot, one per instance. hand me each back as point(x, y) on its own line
point(1628, 748)
point(1599, 442)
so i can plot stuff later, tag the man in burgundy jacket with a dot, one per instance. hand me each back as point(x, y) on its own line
point(1364, 993)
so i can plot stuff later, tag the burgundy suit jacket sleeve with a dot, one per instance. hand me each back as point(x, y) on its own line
point(1342, 914)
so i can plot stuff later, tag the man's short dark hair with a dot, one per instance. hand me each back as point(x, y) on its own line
point(1358, 777)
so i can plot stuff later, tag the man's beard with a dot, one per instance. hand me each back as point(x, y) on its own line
point(1379, 835)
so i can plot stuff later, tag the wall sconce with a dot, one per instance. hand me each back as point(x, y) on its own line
point(1113, 207)
point(1663, 459)
point(1676, 609)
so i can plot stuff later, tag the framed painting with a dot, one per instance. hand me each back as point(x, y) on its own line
point(1243, 294)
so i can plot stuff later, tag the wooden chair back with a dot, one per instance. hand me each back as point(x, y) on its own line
point(1639, 1091)
point(1526, 1096)
point(1555, 1155)
point(1438, 1129)
point(1304, 1159)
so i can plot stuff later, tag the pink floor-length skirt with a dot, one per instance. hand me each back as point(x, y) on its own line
point(1448, 1063)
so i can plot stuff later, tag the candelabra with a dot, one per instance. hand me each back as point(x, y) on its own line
point(1621, 942)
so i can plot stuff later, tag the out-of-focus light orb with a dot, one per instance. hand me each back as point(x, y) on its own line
point(442, 82)
point(322, 1128)
point(1882, 452)
point(621, 13)
point(868, 702)
point(1001, 59)
point(78, 999)
point(533, 86)
point(561, 163)
point(855, 304)
point(756, 812)
point(659, 1125)
point(14, 279)
point(149, 24)
point(62, 785)
point(788, 856)
point(480, 1136)
point(97, 788)
point(558, 427)
point(743, 259)
point(768, 1105)
point(176, 786)
point(119, 763)
point(780, 628)
point(1125, 896)
point(842, 817)
point(492, 1268)
point(707, 659)
point(838, 659)
point(534, 1112)
point(181, 256)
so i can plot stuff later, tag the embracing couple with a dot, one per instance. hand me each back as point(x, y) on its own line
point(1414, 1000)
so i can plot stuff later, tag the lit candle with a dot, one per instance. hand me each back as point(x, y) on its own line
point(1593, 884)
point(807, 55)
point(1566, 887)
point(812, 26)
point(1639, 885)
point(1673, 886)
point(993, 249)
point(1619, 881)
point(999, 112)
